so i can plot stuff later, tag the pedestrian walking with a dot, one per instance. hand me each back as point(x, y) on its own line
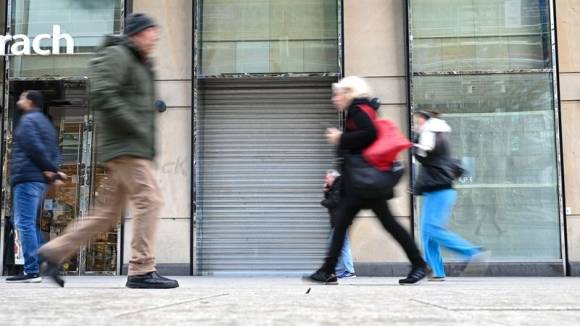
point(332, 198)
point(352, 95)
point(122, 96)
point(34, 164)
point(435, 183)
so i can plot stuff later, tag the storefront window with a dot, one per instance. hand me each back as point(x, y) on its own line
point(456, 35)
point(269, 36)
point(85, 20)
point(3, 5)
point(487, 66)
point(67, 106)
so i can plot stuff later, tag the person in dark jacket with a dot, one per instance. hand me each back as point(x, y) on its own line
point(332, 197)
point(435, 183)
point(123, 97)
point(35, 162)
point(360, 132)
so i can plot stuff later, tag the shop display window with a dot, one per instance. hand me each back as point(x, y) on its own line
point(269, 36)
point(487, 66)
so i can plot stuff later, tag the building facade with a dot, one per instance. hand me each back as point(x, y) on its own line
point(241, 149)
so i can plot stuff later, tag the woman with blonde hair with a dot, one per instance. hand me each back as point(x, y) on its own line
point(349, 95)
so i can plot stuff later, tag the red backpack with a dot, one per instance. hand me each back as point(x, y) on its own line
point(390, 142)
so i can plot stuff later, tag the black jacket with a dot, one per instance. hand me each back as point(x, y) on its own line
point(34, 150)
point(435, 158)
point(332, 199)
point(358, 134)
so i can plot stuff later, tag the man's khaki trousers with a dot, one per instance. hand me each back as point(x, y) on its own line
point(130, 179)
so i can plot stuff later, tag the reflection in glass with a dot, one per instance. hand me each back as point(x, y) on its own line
point(269, 36)
point(85, 20)
point(451, 35)
point(487, 66)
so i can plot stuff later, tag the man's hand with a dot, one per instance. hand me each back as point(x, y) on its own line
point(62, 175)
point(60, 180)
point(49, 175)
point(56, 179)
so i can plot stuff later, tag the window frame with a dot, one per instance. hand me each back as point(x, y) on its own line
point(556, 111)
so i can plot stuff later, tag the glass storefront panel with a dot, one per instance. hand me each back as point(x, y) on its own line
point(486, 65)
point(480, 35)
point(492, 93)
point(503, 130)
point(85, 20)
point(269, 36)
point(48, 66)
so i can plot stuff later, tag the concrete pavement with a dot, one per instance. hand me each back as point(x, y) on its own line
point(87, 301)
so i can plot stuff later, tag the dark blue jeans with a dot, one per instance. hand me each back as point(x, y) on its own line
point(27, 198)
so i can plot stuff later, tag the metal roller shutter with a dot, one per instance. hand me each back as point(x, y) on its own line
point(263, 160)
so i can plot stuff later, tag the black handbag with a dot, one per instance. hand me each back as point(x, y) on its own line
point(456, 168)
point(368, 182)
point(438, 174)
point(451, 168)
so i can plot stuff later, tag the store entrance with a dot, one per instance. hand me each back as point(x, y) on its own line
point(67, 106)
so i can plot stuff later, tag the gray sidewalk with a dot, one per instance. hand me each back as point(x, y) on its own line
point(284, 301)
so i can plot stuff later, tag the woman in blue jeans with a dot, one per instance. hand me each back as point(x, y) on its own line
point(435, 183)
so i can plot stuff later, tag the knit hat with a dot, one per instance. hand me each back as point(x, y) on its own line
point(425, 114)
point(136, 23)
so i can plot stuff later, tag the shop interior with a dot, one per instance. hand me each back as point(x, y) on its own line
point(67, 106)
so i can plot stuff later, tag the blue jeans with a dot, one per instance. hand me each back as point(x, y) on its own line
point(344, 263)
point(27, 198)
point(435, 213)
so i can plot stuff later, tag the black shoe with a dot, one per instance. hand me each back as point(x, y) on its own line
point(322, 277)
point(51, 270)
point(416, 275)
point(151, 280)
point(25, 278)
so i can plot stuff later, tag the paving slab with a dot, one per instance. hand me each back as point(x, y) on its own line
point(103, 300)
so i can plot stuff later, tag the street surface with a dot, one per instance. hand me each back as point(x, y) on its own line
point(87, 301)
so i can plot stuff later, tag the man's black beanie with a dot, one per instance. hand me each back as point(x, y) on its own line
point(136, 23)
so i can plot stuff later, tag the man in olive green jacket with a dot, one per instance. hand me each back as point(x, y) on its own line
point(122, 97)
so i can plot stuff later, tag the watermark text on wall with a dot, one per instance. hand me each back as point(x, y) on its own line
point(23, 45)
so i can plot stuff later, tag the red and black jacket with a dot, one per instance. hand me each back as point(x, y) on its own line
point(360, 130)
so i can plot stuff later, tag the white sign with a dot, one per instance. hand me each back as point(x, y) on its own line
point(22, 45)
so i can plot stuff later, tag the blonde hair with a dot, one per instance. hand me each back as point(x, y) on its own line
point(353, 87)
point(333, 173)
